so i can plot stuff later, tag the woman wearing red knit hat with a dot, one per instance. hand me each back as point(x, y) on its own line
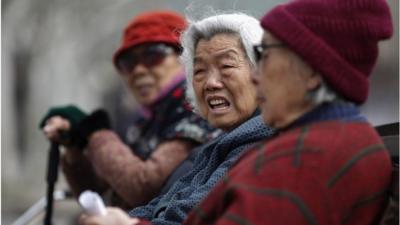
point(328, 165)
point(157, 142)
point(219, 59)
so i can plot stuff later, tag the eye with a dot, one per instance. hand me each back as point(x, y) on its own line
point(264, 54)
point(198, 71)
point(227, 66)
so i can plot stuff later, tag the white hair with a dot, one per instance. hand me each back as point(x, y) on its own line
point(322, 94)
point(244, 26)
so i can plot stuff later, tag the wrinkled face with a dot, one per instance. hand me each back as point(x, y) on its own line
point(222, 81)
point(282, 81)
point(146, 80)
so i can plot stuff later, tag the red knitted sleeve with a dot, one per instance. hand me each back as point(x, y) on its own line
point(135, 180)
point(80, 175)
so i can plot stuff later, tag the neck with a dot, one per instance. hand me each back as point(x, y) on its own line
point(293, 116)
point(256, 112)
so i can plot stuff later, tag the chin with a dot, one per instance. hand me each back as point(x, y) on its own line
point(223, 123)
point(147, 100)
point(217, 123)
point(267, 119)
point(144, 102)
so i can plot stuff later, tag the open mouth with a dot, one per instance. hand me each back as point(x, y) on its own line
point(218, 103)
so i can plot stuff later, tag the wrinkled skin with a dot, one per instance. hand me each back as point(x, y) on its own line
point(282, 81)
point(222, 81)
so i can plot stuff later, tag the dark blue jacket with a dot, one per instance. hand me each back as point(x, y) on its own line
point(211, 164)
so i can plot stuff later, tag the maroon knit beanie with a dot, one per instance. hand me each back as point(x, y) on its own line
point(338, 38)
point(152, 27)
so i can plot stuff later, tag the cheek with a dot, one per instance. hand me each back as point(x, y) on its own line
point(244, 97)
point(198, 92)
point(158, 77)
point(296, 94)
point(131, 83)
point(283, 94)
point(273, 89)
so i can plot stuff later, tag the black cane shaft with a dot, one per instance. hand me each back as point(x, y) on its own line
point(52, 174)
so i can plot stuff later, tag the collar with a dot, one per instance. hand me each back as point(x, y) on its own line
point(344, 111)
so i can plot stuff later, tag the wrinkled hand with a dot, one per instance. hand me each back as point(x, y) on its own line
point(70, 112)
point(54, 129)
point(59, 121)
point(114, 216)
point(70, 126)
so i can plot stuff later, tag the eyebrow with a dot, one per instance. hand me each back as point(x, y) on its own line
point(197, 59)
point(223, 53)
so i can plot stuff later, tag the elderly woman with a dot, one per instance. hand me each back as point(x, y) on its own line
point(132, 170)
point(219, 59)
point(328, 165)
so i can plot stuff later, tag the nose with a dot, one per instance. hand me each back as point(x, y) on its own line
point(138, 70)
point(255, 76)
point(214, 81)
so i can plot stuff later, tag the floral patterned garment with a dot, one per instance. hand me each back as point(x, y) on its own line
point(169, 117)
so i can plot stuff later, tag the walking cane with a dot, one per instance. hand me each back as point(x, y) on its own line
point(52, 174)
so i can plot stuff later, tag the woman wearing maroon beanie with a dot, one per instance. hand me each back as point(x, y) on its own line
point(134, 170)
point(328, 165)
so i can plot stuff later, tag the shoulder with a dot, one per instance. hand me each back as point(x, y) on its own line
point(254, 129)
point(316, 146)
point(329, 134)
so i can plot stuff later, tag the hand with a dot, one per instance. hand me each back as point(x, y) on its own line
point(114, 216)
point(80, 125)
point(54, 128)
point(72, 113)
point(96, 121)
point(60, 121)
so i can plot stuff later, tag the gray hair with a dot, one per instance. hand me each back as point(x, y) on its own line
point(323, 94)
point(246, 27)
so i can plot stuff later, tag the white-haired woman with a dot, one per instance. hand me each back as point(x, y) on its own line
point(327, 165)
point(219, 60)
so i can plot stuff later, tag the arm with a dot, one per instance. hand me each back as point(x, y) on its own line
point(77, 169)
point(79, 172)
point(135, 180)
point(177, 206)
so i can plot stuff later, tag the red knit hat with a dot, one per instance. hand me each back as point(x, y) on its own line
point(338, 38)
point(155, 26)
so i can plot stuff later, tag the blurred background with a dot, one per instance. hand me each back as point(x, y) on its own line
point(58, 52)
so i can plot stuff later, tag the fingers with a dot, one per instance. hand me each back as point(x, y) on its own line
point(85, 219)
point(134, 221)
point(54, 126)
point(114, 216)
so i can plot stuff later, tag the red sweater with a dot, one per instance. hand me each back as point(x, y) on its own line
point(327, 173)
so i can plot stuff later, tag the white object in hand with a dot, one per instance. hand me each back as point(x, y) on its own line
point(92, 203)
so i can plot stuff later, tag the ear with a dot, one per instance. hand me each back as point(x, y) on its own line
point(313, 81)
